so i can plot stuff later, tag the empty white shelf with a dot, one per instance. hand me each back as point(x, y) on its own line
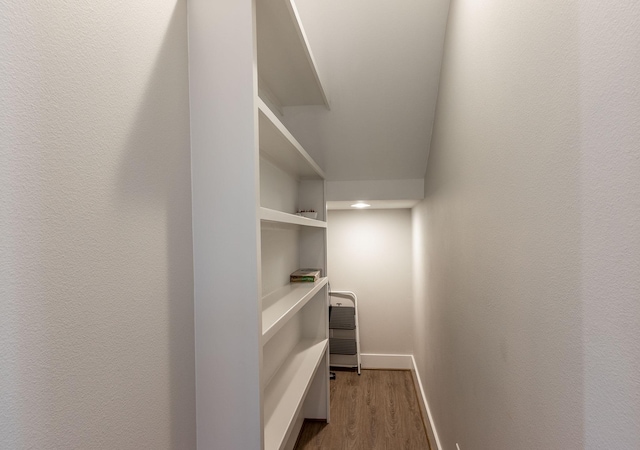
point(279, 146)
point(272, 215)
point(283, 304)
point(285, 62)
point(284, 395)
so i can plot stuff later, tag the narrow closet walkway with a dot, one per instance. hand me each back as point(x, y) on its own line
point(377, 410)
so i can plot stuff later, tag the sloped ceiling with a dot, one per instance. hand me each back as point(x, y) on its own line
point(380, 63)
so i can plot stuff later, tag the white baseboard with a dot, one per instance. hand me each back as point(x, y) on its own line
point(389, 362)
point(426, 412)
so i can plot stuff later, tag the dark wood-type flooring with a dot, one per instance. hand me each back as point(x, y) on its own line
point(376, 410)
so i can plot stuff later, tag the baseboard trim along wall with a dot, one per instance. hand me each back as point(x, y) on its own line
point(389, 362)
point(424, 406)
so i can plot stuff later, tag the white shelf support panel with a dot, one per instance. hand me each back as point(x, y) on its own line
point(283, 304)
point(279, 146)
point(225, 196)
point(285, 394)
point(285, 62)
point(274, 216)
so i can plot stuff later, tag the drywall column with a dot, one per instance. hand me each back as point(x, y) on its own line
point(223, 86)
point(96, 263)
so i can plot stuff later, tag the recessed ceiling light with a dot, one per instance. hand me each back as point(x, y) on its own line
point(360, 204)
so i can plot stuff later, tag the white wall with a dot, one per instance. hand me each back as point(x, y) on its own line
point(375, 190)
point(369, 253)
point(527, 245)
point(96, 278)
point(381, 62)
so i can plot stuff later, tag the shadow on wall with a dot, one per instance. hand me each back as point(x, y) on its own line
point(155, 176)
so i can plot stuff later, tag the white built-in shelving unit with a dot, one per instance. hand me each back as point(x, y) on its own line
point(294, 315)
point(262, 363)
point(279, 306)
point(272, 215)
point(287, 71)
point(283, 399)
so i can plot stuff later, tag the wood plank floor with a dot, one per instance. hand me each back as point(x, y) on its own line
point(377, 410)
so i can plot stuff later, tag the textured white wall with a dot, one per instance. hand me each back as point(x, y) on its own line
point(527, 245)
point(96, 278)
point(369, 253)
point(610, 228)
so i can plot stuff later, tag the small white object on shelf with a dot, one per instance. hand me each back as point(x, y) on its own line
point(308, 214)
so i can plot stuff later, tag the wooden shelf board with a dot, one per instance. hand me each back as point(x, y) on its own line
point(285, 62)
point(279, 146)
point(271, 215)
point(285, 394)
point(284, 303)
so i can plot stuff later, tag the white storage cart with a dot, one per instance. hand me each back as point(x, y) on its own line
point(344, 337)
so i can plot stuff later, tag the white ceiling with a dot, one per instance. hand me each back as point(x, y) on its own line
point(380, 60)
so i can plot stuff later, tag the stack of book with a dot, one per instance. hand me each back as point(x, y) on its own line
point(305, 275)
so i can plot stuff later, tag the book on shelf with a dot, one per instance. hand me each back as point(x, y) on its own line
point(305, 275)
